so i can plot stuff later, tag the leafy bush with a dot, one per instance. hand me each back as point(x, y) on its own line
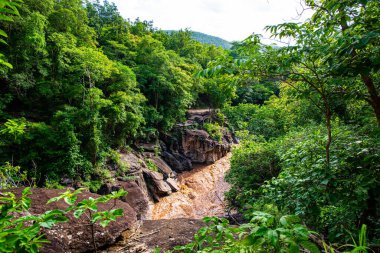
point(21, 232)
point(275, 117)
point(18, 234)
point(332, 198)
point(151, 165)
point(214, 130)
point(93, 185)
point(264, 233)
point(120, 166)
point(252, 163)
point(11, 176)
point(291, 172)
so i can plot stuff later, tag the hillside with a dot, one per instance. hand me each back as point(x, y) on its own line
point(209, 39)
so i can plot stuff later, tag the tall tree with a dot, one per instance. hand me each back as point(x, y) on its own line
point(344, 36)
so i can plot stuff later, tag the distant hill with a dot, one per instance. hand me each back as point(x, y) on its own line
point(213, 40)
point(208, 39)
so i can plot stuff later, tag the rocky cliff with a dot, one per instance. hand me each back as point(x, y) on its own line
point(151, 175)
point(154, 168)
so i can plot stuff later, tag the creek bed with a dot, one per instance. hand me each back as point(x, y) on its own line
point(201, 193)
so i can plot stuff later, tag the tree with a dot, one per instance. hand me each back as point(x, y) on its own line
point(8, 9)
point(165, 79)
point(343, 37)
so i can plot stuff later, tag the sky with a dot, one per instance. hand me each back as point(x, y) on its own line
point(232, 20)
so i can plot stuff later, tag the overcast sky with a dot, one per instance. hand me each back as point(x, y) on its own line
point(228, 19)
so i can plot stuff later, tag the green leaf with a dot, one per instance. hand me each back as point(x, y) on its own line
point(78, 213)
point(104, 223)
point(47, 224)
point(273, 237)
point(6, 18)
point(293, 247)
point(2, 33)
point(70, 200)
point(261, 231)
point(310, 246)
point(117, 212)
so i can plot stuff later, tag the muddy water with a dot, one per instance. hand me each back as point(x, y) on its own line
point(201, 194)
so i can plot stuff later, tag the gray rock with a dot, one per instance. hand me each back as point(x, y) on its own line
point(200, 148)
point(163, 167)
point(133, 161)
point(156, 183)
point(176, 161)
point(173, 184)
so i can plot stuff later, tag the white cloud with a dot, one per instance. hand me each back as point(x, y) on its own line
point(228, 19)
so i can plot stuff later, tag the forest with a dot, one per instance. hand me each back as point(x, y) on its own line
point(79, 83)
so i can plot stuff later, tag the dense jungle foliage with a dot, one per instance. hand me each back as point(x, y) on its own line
point(313, 149)
point(78, 81)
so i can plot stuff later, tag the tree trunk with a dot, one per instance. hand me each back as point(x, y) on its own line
point(328, 126)
point(367, 80)
point(374, 96)
point(328, 144)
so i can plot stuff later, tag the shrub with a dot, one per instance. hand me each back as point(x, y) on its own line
point(252, 163)
point(23, 233)
point(214, 130)
point(264, 233)
point(151, 165)
point(17, 234)
point(332, 198)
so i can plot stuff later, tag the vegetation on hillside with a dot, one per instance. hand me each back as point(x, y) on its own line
point(79, 82)
point(207, 39)
point(309, 136)
point(86, 81)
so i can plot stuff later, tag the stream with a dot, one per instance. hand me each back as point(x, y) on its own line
point(176, 218)
point(201, 193)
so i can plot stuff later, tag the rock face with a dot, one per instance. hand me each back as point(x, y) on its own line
point(153, 171)
point(153, 184)
point(137, 198)
point(155, 180)
point(176, 161)
point(201, 148)
point(186, 145)
point(75, 235)
point(164, 168)
point(163, 234)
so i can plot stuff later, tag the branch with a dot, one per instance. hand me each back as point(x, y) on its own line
point(311, 99)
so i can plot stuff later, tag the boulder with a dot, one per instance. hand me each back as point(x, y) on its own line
point(186, 145)
point(134, 162)
point(151, 182)
point(136, 166)
point(75, 235)
point(173, 184)
point(163, 167)
point(177, 161)
point(201, 148)
point(162, 234)
point(155, 181)
point(137, 198)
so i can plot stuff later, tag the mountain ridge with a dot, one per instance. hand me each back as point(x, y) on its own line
point(208, 39)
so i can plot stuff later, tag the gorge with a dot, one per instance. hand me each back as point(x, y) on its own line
point(165, 203)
